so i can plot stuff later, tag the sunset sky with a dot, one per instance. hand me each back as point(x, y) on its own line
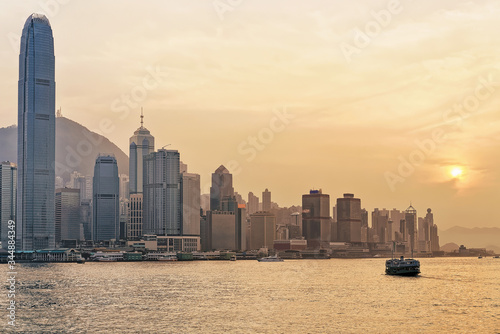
point(394, 101)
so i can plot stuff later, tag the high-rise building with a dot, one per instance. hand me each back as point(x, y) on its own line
point(316, 220)
point(266, 200)
point(8, 186)
point(67, 214)
point(348, 219)
point(142, 143)
point(36, 137)
point(106, 204)
point(411, 227)
point(86, 214)
point(262, 230)
point(380, 219)
point(162, 197)
point(222, 186)
point(135, 216)
point(190, 195)
point(253, 203)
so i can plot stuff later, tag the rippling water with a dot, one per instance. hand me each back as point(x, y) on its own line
point(452, 295)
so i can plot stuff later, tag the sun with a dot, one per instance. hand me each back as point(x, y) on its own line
point(456, 172)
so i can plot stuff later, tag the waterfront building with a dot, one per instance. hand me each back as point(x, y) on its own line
point(36, 137)
point(262, 230)
point(106, 205)
point(222, 186)
point(349, 219)
point(190, 194)
point(8, 187)
point(162, 193)
point(316, 220)
point(67, 214)
point(135, 216)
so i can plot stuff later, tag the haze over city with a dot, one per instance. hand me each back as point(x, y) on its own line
point(294, 96)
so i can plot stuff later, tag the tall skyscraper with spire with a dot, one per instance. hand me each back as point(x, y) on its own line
point(36, 136)
point(141, 144)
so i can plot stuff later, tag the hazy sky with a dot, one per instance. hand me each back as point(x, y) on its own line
point(291, 95)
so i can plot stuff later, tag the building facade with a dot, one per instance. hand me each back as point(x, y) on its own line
point(262, 230)
point(190, 195)
point(36, 137)
point(106, 203)
point(8, 188)
point(162, 193)
point(142, 143)
point(222, 186)
point(266, 200)
point(67, 214)
point(316, 220)
point(348, 219)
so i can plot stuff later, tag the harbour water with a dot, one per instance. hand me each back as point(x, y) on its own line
point(452, 295)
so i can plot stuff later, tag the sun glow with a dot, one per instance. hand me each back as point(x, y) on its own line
point(456, 172)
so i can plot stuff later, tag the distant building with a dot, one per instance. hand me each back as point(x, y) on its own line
point(222, 186)
point(266, 200)
point(106, 204)
point(8, 187)
point(316, 220)
point(253, 203)
point(67, 214)
point(86, 214)
point(380, 220)
point(190, 194)
point(162, 193)
point(135, 218)
point(262, 230)
point(411, 227)
point(349, 219)
point(142, 143)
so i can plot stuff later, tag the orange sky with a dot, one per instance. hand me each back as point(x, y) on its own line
point(379, 98)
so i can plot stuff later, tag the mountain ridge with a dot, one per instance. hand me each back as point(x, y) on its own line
point(76, 148)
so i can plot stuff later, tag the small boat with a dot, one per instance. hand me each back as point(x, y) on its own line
point(169, 258)
point(106, 259)
point(80, 260)
point(479, 257)
point(233, 258)
point(496, 257)
point(273, 258)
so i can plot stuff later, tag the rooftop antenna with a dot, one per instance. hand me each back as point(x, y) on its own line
point(142, 119)
point(165, 146)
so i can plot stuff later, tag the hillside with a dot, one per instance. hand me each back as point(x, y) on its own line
point(477, 237)
point(76, 148)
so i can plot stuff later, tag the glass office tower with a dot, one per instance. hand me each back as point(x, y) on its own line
point(36, 136)
point(106, 204)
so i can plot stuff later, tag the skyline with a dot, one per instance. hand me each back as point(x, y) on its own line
point(233, 93)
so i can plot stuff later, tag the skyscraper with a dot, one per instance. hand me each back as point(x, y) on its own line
point(411, 227)
point(162, 198)
point(8, 186)
point(142, 143)
point(190, 195)
point(106, 205)
point(349, 219)
point(253, 203)
point(222, 186)
point(67, 214)
point(36, 136)
point(266, 200)
point(316, 220)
